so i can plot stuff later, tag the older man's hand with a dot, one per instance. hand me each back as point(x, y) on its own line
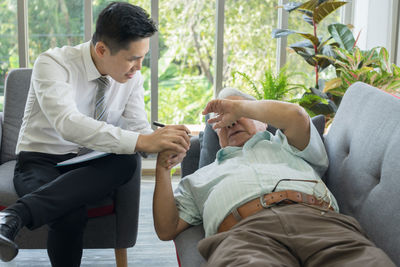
point(168, 159)
point(228, 112)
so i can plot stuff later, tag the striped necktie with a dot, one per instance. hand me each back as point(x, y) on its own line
point(102, 84)
point(99, 110)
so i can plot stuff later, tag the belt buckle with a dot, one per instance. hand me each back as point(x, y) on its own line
point(264, 203)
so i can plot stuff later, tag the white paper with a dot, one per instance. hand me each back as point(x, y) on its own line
point(83, 158)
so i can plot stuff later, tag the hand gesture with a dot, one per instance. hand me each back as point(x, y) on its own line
point(226, 110)
point(170, 137)
point(168, 159)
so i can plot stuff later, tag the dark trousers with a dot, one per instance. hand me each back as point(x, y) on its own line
point(58, 196)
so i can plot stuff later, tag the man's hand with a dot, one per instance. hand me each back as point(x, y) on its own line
point(228, 112)
point(170, 137)
point(168, 159)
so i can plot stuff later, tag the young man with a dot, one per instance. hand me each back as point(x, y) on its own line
point(85, 97)
point(262, 202)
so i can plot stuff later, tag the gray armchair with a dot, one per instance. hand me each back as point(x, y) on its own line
point(113, 223)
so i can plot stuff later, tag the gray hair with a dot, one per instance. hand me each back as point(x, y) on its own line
point(230, 91)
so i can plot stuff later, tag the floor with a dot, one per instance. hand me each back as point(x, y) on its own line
point(149, 250)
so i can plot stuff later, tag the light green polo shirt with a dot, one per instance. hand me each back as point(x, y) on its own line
point(240, 174)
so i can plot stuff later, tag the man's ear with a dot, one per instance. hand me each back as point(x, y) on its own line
point(260, 126)
point(101, 49)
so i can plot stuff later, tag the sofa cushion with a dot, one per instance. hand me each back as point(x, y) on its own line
point(364, 154)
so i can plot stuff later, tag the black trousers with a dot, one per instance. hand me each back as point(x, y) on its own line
point(58, 196)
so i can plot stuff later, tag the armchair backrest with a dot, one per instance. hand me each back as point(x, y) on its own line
point(15, 93)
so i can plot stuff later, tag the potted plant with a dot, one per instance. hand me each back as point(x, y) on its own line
point(272, 86)
point(372, 67)
point(314, 11)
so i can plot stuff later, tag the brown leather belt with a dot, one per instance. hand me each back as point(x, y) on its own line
point(266, 201)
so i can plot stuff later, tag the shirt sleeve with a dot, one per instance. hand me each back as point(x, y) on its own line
point(55, 97)
point(187, 208)
point(314, 153)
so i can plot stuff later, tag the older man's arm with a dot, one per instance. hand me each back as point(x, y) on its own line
point(165, 213)
point(290, 118)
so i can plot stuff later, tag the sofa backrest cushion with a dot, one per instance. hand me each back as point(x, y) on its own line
point(363, 146)
point(15, 94)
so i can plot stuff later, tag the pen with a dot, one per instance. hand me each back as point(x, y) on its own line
point(159, 124)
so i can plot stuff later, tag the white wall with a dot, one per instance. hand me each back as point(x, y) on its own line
point(377, 20)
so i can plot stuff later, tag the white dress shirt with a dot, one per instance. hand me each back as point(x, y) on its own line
point(58, 116)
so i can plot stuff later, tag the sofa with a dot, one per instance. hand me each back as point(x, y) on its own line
point(363, 146)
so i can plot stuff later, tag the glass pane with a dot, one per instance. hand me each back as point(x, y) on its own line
point(8, 42)
point(248, 45)
point(186, 64)
point(295, 62)
point(54, 24)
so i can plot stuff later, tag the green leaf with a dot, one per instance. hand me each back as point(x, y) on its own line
point(291, 6)
point(309, 5)
point(326, 8)
point(342, 35)
point(278, 33)
point(310, 37)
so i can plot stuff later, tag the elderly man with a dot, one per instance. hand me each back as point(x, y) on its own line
point(262, 201)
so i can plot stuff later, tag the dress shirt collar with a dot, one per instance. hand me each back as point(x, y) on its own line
point(91, 70)
point(230, 151)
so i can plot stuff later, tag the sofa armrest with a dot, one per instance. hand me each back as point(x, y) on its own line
point(191, 162)
point(127, 199)
point(186, 246)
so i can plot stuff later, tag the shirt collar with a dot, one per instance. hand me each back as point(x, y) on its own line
point(91, 70)
point(231, 151)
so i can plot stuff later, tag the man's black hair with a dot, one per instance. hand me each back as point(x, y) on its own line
point(121, 23)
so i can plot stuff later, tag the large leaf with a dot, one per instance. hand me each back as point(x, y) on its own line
point(314, 40)
point(332, 84)
point(385, 62)
point(309, 5)
point(305, 52)
point(278, 33)
point(308, 19)
point(291, 6)
point(325, 9)
point(342, 35)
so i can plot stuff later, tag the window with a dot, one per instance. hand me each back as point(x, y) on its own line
point(186, 56)
point(248, 45)
point(186, 44)
point(8, 41)
point(54, 24)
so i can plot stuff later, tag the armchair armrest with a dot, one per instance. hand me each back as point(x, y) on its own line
point(127, 199)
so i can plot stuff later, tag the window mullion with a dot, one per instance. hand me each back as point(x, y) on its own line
point(154, 51)
point(88, 19)
point(22, 15)
point(283, 22)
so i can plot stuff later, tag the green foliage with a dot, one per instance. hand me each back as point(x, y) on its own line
point(272, 86)
point(372, 67)
point(314, 11)
point(317, 51)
